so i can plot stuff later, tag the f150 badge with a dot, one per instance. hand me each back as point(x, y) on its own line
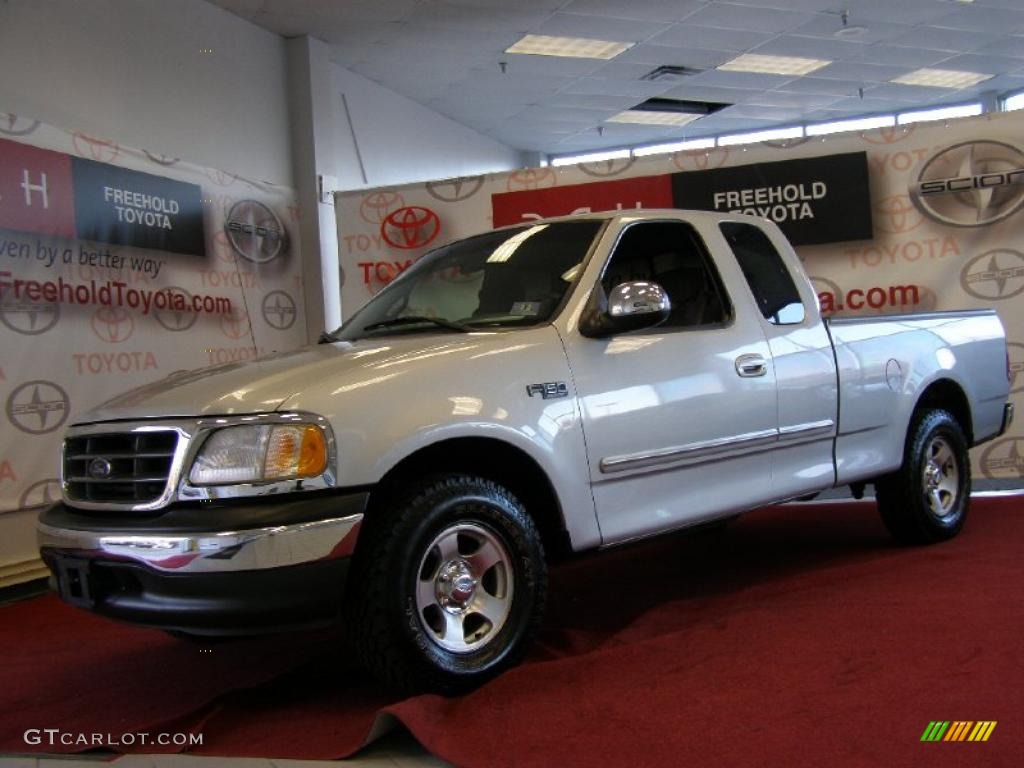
point(548, 390)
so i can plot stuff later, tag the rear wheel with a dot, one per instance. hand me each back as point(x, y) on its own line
point(448, 585)
point(927, 499)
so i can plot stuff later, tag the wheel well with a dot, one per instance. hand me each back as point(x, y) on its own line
point(948, 395)
point(495, 460)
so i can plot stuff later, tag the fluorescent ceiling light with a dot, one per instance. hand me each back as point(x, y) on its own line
point(675, 146)
point(858, 124)
point(1014, 102)
point(651, 117)
point(569, 47)
point(590, 157)
point(773, 65)
point(755, 136)
point(941, 78)
point(940, 113)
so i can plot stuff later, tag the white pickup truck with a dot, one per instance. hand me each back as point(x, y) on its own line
point(552, 387)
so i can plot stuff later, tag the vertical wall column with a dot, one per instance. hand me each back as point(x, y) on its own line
point(310, 97)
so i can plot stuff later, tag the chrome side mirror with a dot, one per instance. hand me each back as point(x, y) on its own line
point(628, 307)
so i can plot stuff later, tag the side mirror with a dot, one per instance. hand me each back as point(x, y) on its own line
point(629, 307)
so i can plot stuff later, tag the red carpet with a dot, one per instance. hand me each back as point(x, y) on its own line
point(798, 636)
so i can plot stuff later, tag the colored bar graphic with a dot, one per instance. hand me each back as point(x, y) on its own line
point(958, 730)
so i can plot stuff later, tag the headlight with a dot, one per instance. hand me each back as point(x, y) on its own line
point(252, 454)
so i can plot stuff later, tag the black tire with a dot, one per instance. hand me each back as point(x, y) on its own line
point(913, 507)
point(410, 607)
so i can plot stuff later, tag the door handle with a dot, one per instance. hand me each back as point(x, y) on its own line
point(751, 366)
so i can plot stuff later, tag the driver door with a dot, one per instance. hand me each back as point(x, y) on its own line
point(677, 430)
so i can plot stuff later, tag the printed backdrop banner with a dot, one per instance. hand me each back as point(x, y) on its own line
point(942, 230)
point(119, 267)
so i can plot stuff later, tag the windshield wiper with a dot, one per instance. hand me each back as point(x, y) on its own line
point(413, 319)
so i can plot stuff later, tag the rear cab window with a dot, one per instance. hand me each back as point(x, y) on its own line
point(766, 273)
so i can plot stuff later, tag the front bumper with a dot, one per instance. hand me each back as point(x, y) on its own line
point(233, 569)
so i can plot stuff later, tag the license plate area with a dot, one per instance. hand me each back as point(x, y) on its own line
point(74, 581)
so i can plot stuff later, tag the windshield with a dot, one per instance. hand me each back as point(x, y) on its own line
point(506, 278)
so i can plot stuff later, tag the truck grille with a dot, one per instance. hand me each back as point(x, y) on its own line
point(119, 467)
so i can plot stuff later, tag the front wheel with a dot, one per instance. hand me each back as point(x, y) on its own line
point(927, 499)
point(448, 585)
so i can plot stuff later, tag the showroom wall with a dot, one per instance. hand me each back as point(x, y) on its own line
point(139, 73)
point(401, 141)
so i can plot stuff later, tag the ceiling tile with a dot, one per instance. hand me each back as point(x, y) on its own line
point(943, 39)
point(826, 25)
point(913, 93)
point(719, 78)
point(901, 11)
point(599, 27)
point(623, 70)
point(979, 19)
point(762, 112)
point(868, 73)
point(811, 47)
point(646, 10)
point(784, 98)
point(603, 86)
point(820, 86)
point(692, 35)
point(656, 55)
point(981, 63)
point(898, 56)
point(1007, 46)
point(731, 16)
point(855, 107)
point(589, 101)
point(471, 20)
point(692, 92)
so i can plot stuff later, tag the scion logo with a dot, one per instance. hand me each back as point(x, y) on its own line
point(376, 206)
point(176, 320)
point(1003, 459)
point(531, 178)
point(700, 159)
point(255, 232)
point(896, 214)
point(1016, 367)
point(38, 407)
point(102, 150)
point(972, 184)
point(40, 494)
point(995, 275)
point(112, 324)
point(234, 324)
point(889, 134)
point(455, 190)
point(411, 227)
point(13, 125)
point(29, 317)
point(279, 310)
point(612, 167)
point(160, 159)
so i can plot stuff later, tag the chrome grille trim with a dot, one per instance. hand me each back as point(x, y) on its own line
point(191, 434)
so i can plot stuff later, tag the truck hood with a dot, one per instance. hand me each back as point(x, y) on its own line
point(260, 385)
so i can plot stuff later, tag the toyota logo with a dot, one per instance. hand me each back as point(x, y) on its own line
point(455, 190)
point(887, 134)
point(38, 407)
point(176, 320)
point(700, 159)
point(531, 178)
point(994, 275)
point(1003, 459)
point(255, 232)
point(896, 214)
point(411, 227)
point(376, 206)
point(612, 167)
point(161, 159)
point(29, 317)
point(112, 324)
point(279, 310)
point(99, 468)
point(102, 150)
point(972, 184)
point(786, 143)
point(234, 324)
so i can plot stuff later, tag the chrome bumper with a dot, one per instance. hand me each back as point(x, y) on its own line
point(213, 552)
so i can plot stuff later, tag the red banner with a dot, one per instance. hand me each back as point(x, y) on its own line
point(530, 204)
point(36, 193)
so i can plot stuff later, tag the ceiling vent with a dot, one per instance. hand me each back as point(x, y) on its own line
point(668, 73)
point(679, 105)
